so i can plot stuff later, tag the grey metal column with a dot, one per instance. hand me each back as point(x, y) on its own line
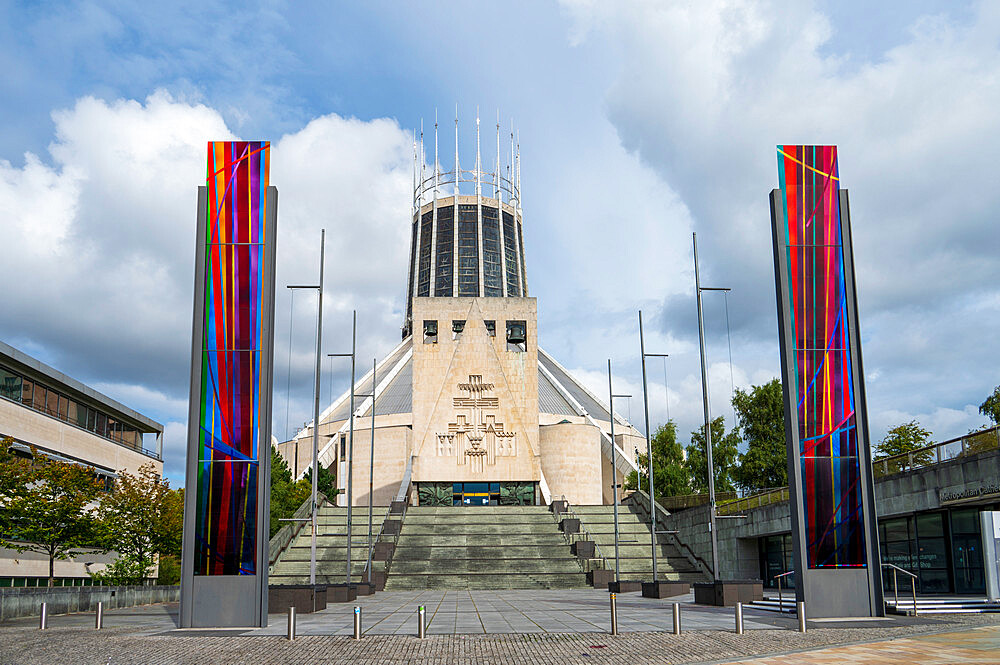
point(614, 467)
point(371, 470)
point(315, 464)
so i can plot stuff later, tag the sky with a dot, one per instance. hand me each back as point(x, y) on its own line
point(638, 122)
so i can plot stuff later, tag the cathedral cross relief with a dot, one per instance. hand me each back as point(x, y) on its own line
point(476, 438)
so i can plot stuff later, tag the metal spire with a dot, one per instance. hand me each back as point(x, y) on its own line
point(479, 168)
point(496, 176)
point(437, 166)
point(458, 169)
point(422, 161)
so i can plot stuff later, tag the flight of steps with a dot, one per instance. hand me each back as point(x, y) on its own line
point(942, 605)
point(634, 545)
point(292, 566)
point(483, 547)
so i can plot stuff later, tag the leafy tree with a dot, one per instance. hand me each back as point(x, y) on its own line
point(286, 496)
point(48, 506)
point(670, 476)
point(903, 439)
point(140, 519)
point(724, 454)
point(760, 419)
point(980, 440)
point(326, 481)
point(991, 406)
point(169, 572)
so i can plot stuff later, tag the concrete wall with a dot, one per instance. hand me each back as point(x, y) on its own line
point(36, 564)
point(571, 462)
point(26, 602)
point(929, 488)
point(392, 450)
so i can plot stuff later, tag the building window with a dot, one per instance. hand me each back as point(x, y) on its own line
point(343, 446)
point(443, 271)
point(457, 327)
point(517, 336)
point(491, 328)
point(468, 251)
point(492, 277)
point(424, 267)
point(430, 332)
point(511, 255)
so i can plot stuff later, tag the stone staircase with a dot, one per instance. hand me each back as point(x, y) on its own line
point(634, 545)
point(292, 565)
point(487, 547)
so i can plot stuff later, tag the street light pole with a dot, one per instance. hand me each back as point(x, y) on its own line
point(649, 445)
point(708, 420)
point(614, 468)
point(371, 471)
point(315, 432)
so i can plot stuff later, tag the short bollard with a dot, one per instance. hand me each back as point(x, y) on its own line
point(43, 619)
point(614, 614)
point(291, 624)
point(677, 618)
point(739, 618)
point(421, 626)
point(801, 609)
point(357, 623)
point(99, 620)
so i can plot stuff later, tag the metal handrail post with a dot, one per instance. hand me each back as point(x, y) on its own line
point(781, 604)
point(913, 590)
point(895, 589)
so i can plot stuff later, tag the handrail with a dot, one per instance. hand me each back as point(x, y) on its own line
point(582, 531)
point(895, 588)
point(781, 604)
point(287, 534)
point(693, 558)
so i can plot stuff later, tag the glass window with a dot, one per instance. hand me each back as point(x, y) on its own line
point(102, 424)
point(38, 398)
point(468, 251)
point(26, 391)
point(510, 254)
point(51, 402)
point(492, 267)
point(413, 262)
point(63, 407)
point(520, 244)
point(443, 270)
point(10, 385)
point(91, 420)
point(424, 270)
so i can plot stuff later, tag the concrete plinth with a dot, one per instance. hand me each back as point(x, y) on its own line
point(364, 588)
point(300, 596)
point(341, 593)
point(726, 593)
point(559, 507)
point(583, 549)
point(625, 586)
point(383, 551)
point(661, 589)
point(600, 578)
point(570, 525)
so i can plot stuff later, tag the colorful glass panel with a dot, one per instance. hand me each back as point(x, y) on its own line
point(826, 414)
point(231, 409)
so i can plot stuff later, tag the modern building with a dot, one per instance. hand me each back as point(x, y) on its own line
point(469, 410)
point(68, 421)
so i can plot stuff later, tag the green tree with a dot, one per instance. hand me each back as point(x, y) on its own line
point(991, 406)
point(326, 481)
point(670, 476)
point(140, 520)
point(902, 439)
point(286, 496)
point(724, 455)
point(760, 420)
point(48, 506)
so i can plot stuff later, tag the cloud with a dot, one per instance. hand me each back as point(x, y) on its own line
point(101, 279)
point(704, 92)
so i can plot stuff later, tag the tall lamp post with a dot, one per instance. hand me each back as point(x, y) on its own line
point(708, 420)
point(649, 445)
point(614, 467)
point(315, 433)
point(350, 452)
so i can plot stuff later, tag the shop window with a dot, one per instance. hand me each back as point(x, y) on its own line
point(457, 328)
point(491, 328)
point(430, 332)
point(517, 336)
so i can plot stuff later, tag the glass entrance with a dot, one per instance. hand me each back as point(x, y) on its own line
point(476, 494)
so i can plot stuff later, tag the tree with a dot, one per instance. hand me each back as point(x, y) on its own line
point(903, 439)
point(48, 506)
point(140, 520)
point(286, 496)
point(670, 476)
point(760, 420)
point(326, 481)
point(724, 454)
point(991, 406)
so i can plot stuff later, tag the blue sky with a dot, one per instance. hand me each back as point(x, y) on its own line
point(639, 122)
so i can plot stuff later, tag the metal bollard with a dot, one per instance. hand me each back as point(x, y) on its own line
point(739, 618)
point(357, 623)
point(99, 620)
point(614, 614)
point(421, 626)
point(43, 620)
point(291, 624)
point(800, 608)
point(677, 618)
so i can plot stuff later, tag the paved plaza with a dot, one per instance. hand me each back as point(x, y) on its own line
point(531, 627)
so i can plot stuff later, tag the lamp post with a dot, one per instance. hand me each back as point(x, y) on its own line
point(315, 433)
point(350, 452)
point(708, 420)
point(649, 445)
point(614, 467)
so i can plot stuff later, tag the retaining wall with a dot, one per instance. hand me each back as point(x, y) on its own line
point(27, 601)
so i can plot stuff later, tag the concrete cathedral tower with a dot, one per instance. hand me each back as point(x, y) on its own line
point(469, 410)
